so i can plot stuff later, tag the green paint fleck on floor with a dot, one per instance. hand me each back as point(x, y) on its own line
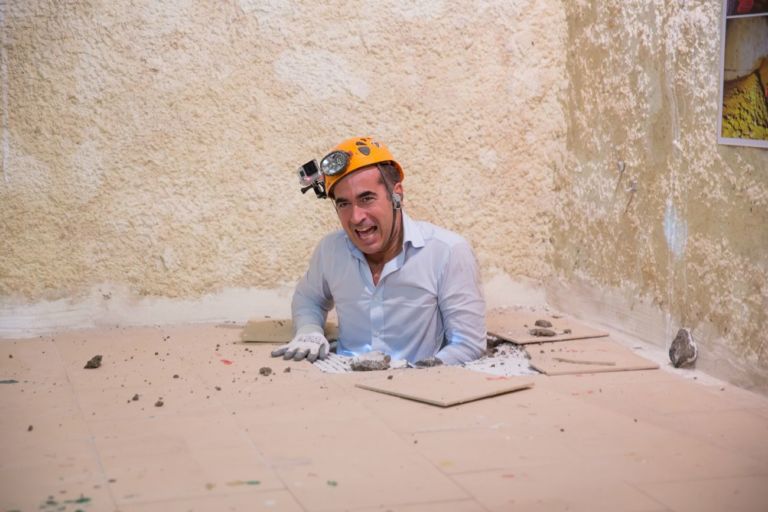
point(333, 483)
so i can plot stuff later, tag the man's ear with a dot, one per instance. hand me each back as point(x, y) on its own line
point(397, 196)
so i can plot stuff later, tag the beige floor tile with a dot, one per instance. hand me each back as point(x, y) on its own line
point(64, 484)
point(554, 488)
point(334, 465)
point(50, 440)
point(277, 501)
point(738, 431)
point(439, 506)
point(460, 451)
point(746, 494)
point(180, 456)
point(178, 396)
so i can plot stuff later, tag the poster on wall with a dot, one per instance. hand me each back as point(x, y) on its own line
point(743, 119)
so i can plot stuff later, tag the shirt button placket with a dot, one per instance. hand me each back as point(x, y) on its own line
point(377, 319)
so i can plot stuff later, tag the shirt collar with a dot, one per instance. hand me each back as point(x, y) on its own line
point(411, 232)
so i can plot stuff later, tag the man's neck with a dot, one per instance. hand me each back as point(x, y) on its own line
point(378, 260)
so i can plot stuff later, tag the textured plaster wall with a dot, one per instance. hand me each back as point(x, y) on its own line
point(149, 148)
point(653, 218)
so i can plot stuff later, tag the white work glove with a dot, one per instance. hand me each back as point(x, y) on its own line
point(309, 342)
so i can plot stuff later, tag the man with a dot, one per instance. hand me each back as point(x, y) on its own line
point(406, 288)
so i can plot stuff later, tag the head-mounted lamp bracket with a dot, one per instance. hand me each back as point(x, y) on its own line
point(310, 177)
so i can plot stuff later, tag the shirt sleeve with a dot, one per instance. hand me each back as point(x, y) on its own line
point(312, 298)
point(462, 306)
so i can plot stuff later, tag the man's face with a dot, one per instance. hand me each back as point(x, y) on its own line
point(365, 210)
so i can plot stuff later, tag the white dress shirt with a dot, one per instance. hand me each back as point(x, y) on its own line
point(428, 301)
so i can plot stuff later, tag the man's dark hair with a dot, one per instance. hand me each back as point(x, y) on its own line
point(390, 173)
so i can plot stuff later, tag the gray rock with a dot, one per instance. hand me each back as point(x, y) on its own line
point(683, 350)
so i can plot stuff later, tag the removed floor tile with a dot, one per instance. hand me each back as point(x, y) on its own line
point(586, 356)
point(278, 331)
point(529, 327)
point(443, 386)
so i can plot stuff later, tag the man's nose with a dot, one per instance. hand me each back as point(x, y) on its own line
point(357, 214)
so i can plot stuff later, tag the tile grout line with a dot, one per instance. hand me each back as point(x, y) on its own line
point(91, 439)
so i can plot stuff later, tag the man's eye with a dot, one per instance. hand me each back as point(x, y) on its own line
point(341, 205)
point(368, 199)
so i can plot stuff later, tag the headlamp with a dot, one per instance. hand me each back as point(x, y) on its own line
point(334, 163)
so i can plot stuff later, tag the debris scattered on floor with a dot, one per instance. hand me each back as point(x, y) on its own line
point(543, 323)
point(159, 403)
point(541, 331)
point(503, 359)
point(683, 350)
point(370, 361)
point(175, 375)
point(135, 397)
point(93, 362)
point(429, 362)
point(265, 371)
point(30, 428)
point(9, 381)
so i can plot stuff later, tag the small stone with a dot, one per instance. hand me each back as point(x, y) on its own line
point(429, 362)
point(175, 375)
point(29, 428)
point(389, 377)
point(159, 403)
point(135, 397)
point(287, 370)
point(540, 331)
point(265, 371)
point(567, 331)
point(93, 362)
point(683, 350)
point(543, 323)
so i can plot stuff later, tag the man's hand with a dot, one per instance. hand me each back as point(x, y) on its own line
point(309, 344)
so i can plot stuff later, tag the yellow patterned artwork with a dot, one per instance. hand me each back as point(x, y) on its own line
point(744, 82)
point(745, 105)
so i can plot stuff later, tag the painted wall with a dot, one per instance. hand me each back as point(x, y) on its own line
point(149, 148)
point(656, 226)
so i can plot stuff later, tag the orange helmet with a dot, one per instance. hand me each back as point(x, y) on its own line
point(352, 155)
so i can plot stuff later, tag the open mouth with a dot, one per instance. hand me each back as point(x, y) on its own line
point(367, 233)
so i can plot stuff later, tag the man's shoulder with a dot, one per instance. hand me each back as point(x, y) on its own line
point(433, 233)
point(334, 240)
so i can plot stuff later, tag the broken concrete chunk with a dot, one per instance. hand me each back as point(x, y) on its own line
point(370, 361)
point(683, 350)
point(265, 371)
point(93, 362)
point(543, 323)
point(428, 362)
point(540, 331)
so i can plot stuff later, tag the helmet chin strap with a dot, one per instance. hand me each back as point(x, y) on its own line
point(396, 205)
